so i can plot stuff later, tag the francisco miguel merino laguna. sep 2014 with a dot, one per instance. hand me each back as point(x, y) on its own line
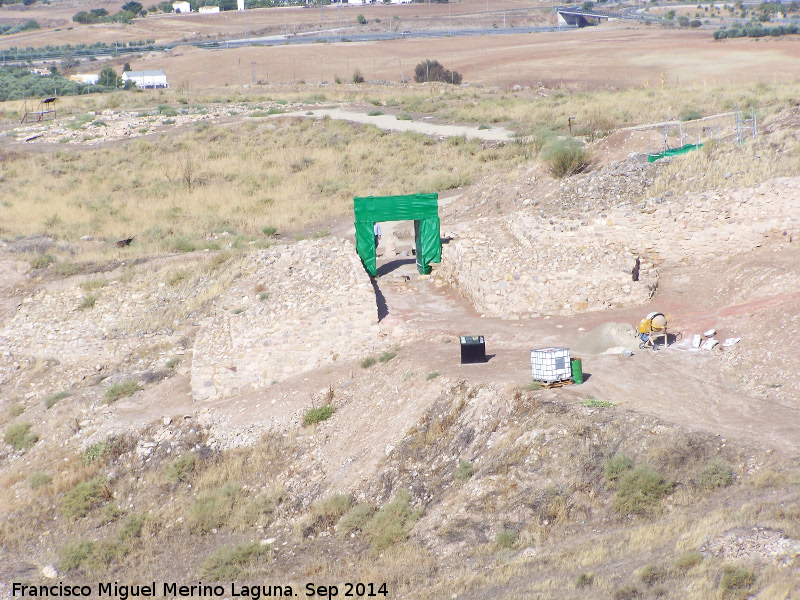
point(124, 592)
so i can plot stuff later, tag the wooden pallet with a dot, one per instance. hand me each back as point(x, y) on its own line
point(556, 384)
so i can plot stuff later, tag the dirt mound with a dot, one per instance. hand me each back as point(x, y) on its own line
point(606, 337)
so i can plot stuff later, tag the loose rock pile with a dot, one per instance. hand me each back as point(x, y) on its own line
point(319, 307)
point(757, 545)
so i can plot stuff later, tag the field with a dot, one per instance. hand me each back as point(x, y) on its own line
point(670, 474)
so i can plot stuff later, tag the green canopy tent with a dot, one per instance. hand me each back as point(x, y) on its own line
point(423, 209)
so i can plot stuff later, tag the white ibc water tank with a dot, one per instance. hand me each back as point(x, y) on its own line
point(240, 4)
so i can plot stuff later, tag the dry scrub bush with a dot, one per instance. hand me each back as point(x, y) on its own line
point(39, 479)
point(84, 496)
point(716, 474)
point(355, 519)
point(228, 563)
point(181, 469)
point(392, 522)
point(20, 436)
point(565, 157)
point(324, 515)
point(640, 490)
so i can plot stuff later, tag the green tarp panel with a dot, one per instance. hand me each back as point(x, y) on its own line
point(423, 209)
point(674, 152)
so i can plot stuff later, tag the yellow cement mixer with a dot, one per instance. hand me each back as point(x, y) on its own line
point(652, 327)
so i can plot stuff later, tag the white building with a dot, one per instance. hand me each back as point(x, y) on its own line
point(90, 78)
point(207, 10)
point(146, 79)
point(181, 7)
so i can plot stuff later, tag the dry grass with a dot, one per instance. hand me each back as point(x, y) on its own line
point(731, 166)
point(283, 174)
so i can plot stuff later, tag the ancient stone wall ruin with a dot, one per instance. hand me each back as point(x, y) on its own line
point(526, 263)
point(301, 306)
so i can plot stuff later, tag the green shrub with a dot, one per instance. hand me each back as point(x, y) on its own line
point(231, 562)
point(39, 479)
point(505, 538)
point(212, 510)
point(263, 296)
point(16, 409)
point(167, 110)
point(592, 402)
point(120, 390)
point(404, 117)
point(533, 386)
point(132, 527)
point(387, 356)
point(374, 113)
point(640, 489)
point(358, 77)
point(431, 375)
point(42, 261)
point(20, 436)
point(96, 452)
point(367, 362)
point(269, 231)
point(181, 469)
point(465, 470)
point(565, 157)
point(318, 414)
point(651, 575)
point(691, 114)
point(172, 362)
point(87, 302)
point(50, 401)
point(392, 522)
point(616, 467)
point(483, 127)
point(716, 474)
point(584, 580)
point(737, 582)
point(688, 560)
point(83, 497)
point(355, 519)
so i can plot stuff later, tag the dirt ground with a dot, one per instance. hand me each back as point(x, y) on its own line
point(619, 58)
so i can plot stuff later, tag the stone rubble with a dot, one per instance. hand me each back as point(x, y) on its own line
point(758, 545)
point(111, 124)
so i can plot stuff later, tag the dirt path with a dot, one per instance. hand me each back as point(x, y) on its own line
point(679, 384)
point(391, 123)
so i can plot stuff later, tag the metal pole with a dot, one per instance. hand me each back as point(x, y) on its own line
point(240, 72)
point(253, 70)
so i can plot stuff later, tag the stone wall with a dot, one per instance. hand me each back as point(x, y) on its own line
point(526, 263)
point(301, 306)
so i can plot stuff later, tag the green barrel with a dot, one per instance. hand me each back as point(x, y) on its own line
point(577, 371)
